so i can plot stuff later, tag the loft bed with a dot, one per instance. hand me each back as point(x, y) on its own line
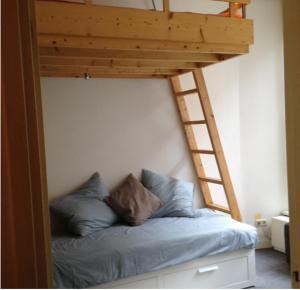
point(88, 40)
point(82, 39)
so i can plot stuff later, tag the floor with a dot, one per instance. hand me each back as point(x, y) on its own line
point(272, 271)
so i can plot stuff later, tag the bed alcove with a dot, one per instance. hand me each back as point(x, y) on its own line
point(140, 43)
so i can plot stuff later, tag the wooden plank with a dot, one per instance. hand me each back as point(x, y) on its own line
point(72, 74)
point(200, 122)
point(202, 151)
point(128, 54)
point(211, 180)
point(236, 1)
point(129, 23)
point(190, 136)
point(216, 143)
point(291, 13)
point(25, 229)
point(187, 92)
point(52, 40)
point(117, 63)
point(111, 70)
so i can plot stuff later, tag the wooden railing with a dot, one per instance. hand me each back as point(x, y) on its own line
point(234, 6)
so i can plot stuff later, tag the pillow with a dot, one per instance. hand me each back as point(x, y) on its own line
point(84, 209)
point(133, 202)
point(176, 195)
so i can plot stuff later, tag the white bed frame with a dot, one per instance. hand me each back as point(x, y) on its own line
point(229, 270)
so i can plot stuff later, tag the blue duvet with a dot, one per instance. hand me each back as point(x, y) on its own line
point(122, 251)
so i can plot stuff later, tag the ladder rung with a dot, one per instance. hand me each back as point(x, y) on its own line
point(203, 151)
point(211, 180)
point(188, 92)
point(195, 122)
point(219, 207)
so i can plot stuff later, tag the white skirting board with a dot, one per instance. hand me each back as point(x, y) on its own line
point(229, 270)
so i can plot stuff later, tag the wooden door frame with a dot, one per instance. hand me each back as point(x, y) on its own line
point(26, 252)
point(26, 256)
point(291, 12)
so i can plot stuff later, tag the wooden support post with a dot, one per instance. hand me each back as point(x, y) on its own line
point(166, 4)
point(232, 9)
point(244, 11)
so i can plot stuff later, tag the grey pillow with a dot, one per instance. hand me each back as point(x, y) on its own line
point(177, 195)
point(84, 209)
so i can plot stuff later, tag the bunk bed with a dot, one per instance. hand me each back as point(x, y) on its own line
point(86, 40)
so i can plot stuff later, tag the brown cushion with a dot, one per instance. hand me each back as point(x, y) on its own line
point(133, 202)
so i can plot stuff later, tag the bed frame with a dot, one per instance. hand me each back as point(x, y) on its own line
point(76, 39)
point(230, 270)
point(87, 40)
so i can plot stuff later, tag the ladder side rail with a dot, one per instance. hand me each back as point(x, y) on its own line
point(216, 144)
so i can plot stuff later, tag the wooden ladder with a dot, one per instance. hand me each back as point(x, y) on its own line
point(217, 151)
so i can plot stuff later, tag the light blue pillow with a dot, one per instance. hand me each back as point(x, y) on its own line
point(177, 195)
point(84, 209)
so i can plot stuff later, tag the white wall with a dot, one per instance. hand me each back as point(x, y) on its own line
point(262, 119)
point(121, 126)
point(111, 126)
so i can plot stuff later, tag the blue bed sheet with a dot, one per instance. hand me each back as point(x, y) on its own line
point(122, 251)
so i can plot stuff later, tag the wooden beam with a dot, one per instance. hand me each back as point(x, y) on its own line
point(110, 70)
point(52, 40)
point(128, 54)
point(72, 74)
point(117, 63)
point(129, 23)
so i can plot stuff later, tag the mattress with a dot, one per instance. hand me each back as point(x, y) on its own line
point(122, 251)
